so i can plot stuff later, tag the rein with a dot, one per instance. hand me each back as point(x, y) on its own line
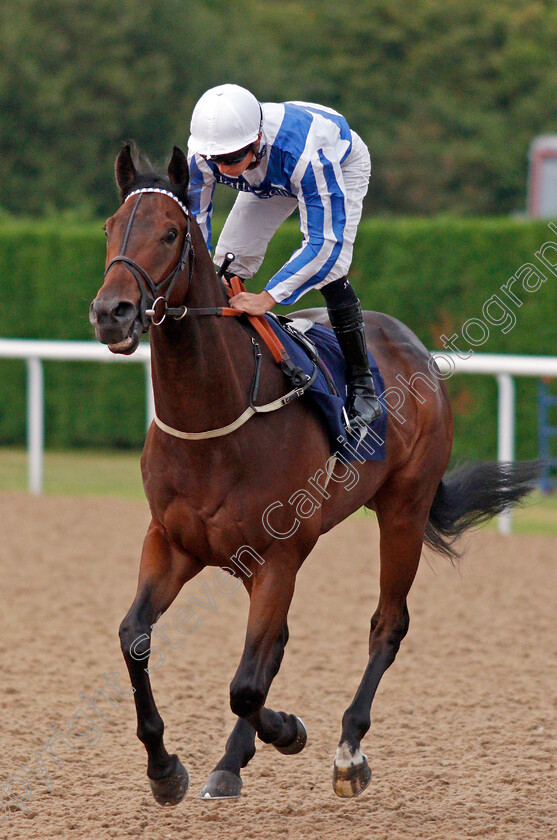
point(149, 314)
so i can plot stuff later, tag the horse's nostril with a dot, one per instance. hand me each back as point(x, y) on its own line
point(124, 311)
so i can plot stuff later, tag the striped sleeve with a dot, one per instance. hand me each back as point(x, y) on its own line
point(319, 188)
point(200, 194)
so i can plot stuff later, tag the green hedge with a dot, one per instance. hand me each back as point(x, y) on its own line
point(432, 274)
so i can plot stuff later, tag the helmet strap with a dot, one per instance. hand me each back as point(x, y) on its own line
point(259, 154)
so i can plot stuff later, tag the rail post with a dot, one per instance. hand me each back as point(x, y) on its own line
point(505, 436)
point(35, 424)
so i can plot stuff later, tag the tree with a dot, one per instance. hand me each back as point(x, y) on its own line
point(448, 94)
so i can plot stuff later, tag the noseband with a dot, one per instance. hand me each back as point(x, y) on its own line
point(153, 307)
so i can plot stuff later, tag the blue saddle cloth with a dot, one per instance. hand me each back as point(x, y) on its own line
point(372, 447)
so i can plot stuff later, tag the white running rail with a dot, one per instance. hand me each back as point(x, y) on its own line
point(503, 367)
point(35, 352)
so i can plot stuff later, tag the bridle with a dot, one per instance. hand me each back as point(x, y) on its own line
point(153, 306)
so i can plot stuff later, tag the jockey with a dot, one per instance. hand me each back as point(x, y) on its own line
point(292, 155)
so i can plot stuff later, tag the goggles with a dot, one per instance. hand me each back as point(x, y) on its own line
point(230, 159)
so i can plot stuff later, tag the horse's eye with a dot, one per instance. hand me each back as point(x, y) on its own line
point(171, 236)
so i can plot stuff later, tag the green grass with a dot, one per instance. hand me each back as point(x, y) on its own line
point(91, 473)
point(86, 473)
point(538, 516)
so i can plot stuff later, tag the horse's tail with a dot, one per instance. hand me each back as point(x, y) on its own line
point(473, 493)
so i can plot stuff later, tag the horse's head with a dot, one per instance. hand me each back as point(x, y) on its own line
point(148, 252)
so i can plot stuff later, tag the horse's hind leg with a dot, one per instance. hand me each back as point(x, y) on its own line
point(402, 526)
point(162, 574)
point(224, 782)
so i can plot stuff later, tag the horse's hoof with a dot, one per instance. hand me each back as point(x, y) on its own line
point(222, 784)
point(351, 778)
point(171, 789)
point(299, 741)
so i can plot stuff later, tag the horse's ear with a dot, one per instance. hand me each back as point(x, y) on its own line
point(125, 170)
point(178, 170)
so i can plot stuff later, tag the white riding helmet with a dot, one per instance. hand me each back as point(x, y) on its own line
point(226, 119)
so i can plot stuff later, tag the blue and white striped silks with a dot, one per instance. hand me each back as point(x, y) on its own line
point(306, 148)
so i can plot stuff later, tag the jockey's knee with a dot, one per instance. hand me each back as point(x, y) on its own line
point(338, 293)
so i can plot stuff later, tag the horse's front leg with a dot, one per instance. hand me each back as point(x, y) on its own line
point(225, 782)
point(266, 637)
point(162, 574)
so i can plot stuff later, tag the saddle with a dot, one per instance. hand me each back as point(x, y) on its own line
point(321, 369)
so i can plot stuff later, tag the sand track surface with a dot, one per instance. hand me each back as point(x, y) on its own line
point(463, 740)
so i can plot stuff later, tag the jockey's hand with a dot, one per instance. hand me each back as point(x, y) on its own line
point(252, 304)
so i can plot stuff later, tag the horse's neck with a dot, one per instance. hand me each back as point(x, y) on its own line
point(201, 365)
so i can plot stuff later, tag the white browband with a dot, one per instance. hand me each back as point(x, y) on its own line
point(162, 192)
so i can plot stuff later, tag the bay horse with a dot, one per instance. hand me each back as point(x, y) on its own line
point(207, 492)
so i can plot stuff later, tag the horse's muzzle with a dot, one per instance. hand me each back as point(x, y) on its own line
point(117, 323)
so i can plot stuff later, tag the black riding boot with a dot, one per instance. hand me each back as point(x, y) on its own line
point(348, 324)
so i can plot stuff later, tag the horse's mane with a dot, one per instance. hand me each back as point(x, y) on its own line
point(148, 175)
